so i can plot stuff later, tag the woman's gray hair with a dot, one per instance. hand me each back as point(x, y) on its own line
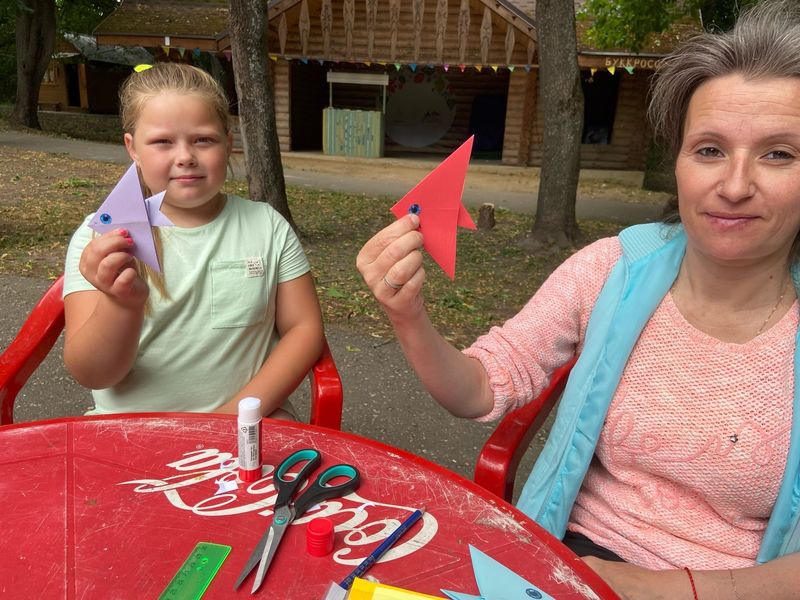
point(765, 42)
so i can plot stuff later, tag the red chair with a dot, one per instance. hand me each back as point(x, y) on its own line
point(499, 458)
point(42, 328)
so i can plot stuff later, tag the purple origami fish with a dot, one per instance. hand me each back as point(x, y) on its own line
point(126, 207)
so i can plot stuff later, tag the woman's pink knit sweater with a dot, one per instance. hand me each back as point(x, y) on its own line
point(693, 449)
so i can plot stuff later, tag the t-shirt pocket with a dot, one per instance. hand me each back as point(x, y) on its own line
point(239, 294)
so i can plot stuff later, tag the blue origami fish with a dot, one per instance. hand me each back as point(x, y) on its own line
point(497, 582)
point(126, 207)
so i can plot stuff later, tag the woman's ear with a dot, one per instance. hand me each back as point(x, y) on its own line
point(129, 147)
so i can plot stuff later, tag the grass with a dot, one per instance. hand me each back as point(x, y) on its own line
point(44, 197)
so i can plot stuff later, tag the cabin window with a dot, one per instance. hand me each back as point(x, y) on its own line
point(50, 75)
point(600, 92)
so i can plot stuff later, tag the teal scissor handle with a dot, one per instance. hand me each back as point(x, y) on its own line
point(287, 487)
point(320, 490)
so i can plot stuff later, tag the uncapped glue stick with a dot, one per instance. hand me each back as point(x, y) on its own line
point(249, 435)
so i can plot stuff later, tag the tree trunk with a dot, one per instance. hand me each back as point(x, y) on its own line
point(36, 38)
point(561, 100)
point(262, 155)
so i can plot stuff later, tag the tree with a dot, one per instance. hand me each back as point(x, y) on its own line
point(561, 99)
point(35, 37)
point(262, 155)
point(36, 23)
point(628, 23)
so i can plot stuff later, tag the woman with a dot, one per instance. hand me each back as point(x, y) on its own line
point(674, 464)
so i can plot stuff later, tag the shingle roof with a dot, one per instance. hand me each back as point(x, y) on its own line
point(205, 19)
point(86, 46)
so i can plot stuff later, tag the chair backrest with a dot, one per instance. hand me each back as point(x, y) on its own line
point(496, 467)
point(30, 347)
point(43, 326)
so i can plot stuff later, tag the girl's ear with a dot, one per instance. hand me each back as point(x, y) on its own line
point(129, 147)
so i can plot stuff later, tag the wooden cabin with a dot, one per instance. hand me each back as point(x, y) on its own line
point(452, 68)
point(84, 77)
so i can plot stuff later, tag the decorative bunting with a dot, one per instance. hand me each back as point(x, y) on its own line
point(228, 54)
point(197, 52)
point(612, 70)
point(592, 71)
point(415, 67)
point(629, 69)
point(165, 49)
point(181, 52)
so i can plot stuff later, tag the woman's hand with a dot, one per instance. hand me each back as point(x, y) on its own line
point(107, 263)
point(391, 265)
point(636, 583)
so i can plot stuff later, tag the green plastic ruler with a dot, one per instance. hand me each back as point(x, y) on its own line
point(196, 572)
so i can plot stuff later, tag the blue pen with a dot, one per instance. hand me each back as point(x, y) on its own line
point(380, 550)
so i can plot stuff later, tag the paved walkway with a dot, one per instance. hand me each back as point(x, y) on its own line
point(383, 399)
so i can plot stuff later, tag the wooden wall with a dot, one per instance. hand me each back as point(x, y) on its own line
point(463, 89)
point(53, 90)
point(432, 32)
point(521, 116)
point(629, 137)
point(283, 117)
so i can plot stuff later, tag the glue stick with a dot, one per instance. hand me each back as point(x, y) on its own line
point(249, 435)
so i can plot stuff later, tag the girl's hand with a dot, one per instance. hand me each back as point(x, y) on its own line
point(391, 265)
point(107, 264)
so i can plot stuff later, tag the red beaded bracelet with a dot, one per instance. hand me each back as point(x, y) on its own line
point(691, 580)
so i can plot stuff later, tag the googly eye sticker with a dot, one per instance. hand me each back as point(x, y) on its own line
point(414, 209)
point(105, 218)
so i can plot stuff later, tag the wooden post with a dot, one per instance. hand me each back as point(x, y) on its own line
point(486, 35)
point(463, 30)
point(326, 22)
point(486, 216)
point(304, 25)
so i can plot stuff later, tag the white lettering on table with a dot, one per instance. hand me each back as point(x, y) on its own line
point(206, 469)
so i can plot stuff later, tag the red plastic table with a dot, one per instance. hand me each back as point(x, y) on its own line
point(110, 507)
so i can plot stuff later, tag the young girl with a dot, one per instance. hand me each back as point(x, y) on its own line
point(234, 312)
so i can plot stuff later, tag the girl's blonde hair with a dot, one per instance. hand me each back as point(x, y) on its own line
point(141, 87)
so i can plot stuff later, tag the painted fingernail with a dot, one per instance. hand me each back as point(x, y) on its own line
point(129, 240)
point(123, 232)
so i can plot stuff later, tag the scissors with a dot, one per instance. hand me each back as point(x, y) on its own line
point(287, 511)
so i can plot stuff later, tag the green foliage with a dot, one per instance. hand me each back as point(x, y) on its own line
point(82, 16)
point(8, 55)
point(628, 23)
point(78, 16)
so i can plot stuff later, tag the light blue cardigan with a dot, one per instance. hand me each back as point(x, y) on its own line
point(652, 255)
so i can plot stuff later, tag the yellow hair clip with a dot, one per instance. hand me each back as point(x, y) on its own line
point(142, 67)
